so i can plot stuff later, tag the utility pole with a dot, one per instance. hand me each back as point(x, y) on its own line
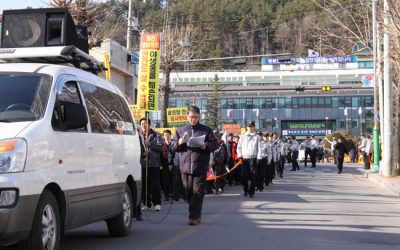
point(129, 31)
point(375, 168)
point(387, 105)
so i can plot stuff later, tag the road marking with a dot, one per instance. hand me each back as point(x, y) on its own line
point(191, 230)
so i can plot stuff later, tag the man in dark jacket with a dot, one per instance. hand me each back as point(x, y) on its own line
point(153, 142)
point(340, 150)
point(194, 160)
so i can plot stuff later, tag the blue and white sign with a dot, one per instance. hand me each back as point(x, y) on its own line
point(311, 60)
point(306, 132)
point(135, 56)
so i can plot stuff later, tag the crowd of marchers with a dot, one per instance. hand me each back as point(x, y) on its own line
point(252, 160)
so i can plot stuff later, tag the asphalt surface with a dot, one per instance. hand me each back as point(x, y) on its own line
point(308, 209)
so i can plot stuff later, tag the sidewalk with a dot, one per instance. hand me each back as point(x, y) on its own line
point(391, 184)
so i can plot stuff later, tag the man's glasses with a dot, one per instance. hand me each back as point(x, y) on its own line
point(193, 116)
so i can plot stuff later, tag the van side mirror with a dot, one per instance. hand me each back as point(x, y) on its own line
point(74, 115)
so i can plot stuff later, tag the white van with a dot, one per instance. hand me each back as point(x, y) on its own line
point(69, 154)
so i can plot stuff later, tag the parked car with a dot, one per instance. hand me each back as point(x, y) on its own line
point(69, 154)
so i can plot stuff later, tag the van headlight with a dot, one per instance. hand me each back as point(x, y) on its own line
point(12, 155)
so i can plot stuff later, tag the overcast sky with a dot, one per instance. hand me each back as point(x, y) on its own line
point(21, 4)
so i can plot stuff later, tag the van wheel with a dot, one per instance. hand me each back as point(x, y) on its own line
point(46, 228)
point(120, 225)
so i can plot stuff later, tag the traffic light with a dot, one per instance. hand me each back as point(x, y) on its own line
point(298, 89)
point(326, 88)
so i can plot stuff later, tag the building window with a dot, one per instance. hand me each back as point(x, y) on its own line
point(295, 102)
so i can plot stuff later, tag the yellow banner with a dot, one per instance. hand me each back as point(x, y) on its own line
point(149, 64)
point(107, 65)
point(175, 115)
point(136, 113)
point(161, 130)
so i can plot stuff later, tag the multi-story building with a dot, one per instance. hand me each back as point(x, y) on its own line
point(288, 97)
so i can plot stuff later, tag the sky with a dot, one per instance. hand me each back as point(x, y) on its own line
point(21, 4)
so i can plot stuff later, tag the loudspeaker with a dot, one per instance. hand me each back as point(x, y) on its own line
point(41, 28)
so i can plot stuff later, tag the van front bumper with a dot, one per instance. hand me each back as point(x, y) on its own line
point(16, 222)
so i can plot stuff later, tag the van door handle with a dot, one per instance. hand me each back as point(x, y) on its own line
point(91, 148)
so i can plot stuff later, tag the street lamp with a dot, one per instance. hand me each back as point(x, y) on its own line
point(359, 119)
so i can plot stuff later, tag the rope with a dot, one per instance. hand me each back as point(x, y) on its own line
point(238, 164)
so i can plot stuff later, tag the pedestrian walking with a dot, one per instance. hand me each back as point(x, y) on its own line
point(341, 150)
point(366, 147)
point(294, 148)
point(333, 151)
point(153, 142)
point(264, 150)
point(248, 150)
point(219, 162)
point(307, 150)
point(314, 151)
point(194, 142)
point(231, 151)
point(166, 167)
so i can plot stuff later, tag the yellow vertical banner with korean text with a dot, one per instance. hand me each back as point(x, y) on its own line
point(149, 64)
point(107, 65)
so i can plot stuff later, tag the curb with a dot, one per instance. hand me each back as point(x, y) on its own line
point(385, 182)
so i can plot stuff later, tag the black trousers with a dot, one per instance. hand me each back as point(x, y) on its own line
point(281, 166)
point(314, 156)
point(166, 178)
point(151, 196)
point(295, 164)
point(308, 152)
point(339, 164)
point(260, 173)
point(269, 172)
point(367, 165)
point(249, 169)
point(195, 185)
point(230, 176)
point(177, 185)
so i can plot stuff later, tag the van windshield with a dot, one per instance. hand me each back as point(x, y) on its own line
point(23, 97)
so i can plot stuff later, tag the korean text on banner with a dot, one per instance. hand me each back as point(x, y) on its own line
point(136, 113)
point(107, 65)
point(232, 128)
point(175, 115)
point(149, 64)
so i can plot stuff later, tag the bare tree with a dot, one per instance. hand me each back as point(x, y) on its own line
point(174, 49)
point(104, 20)
point(394, 31)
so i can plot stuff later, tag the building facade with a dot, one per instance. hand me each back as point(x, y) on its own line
point(287, 97)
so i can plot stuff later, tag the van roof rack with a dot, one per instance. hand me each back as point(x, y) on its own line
point(65, 55)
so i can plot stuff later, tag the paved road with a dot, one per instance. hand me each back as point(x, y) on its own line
point(310, 209)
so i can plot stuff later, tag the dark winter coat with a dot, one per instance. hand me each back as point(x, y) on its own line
point(194, 160)
point(154, 149)
point(340, 149)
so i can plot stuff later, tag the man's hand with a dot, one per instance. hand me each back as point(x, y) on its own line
point(203, 146)
point(170, 167)
point(181, 141)
point(212, 163)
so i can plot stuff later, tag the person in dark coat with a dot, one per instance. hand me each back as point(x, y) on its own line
point(340, 151)
point(194, 160)
point(153, 143)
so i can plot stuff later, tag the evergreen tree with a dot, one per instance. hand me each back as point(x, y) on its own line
point(212, 109)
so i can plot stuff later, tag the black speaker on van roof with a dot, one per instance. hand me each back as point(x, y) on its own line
point(41, 28)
